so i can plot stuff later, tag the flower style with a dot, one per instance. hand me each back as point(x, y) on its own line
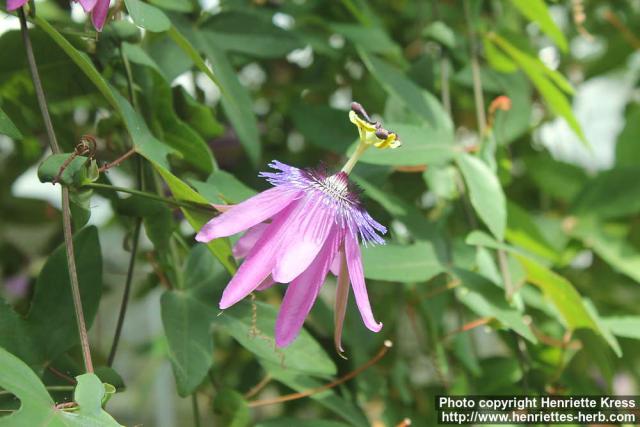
point(98, 8)
point(308, 224)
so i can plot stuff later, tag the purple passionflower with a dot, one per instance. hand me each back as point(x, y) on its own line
point(311, 222)
point(99, 9)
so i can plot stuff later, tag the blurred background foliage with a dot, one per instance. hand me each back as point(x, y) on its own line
point(513, 257)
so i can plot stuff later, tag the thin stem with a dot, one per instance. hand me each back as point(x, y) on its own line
point(37, 83)
point(73, 277)
point(348, 167)
point(509, 289)
point(628, 35)
point(469, 326)
point(445, 93)
point(174, 202)
point(62, 375)
point(66, 210)
point(127, 290)
point(129, 74)
point(119, 160)
point(124, 304)
point(444, 84)
point(475, 71)
point(196, 410)
point(258, 387)
point(294, 396)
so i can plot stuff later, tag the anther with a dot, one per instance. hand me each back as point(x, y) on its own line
point(382, 133)
point(361, 112)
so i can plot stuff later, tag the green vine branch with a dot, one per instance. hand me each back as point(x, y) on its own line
point(66, 209)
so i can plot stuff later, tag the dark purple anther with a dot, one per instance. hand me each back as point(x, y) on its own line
point(382, 133)
point(361, 112)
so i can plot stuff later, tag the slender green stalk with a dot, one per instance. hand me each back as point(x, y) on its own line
point(66, 210)
point(475, 72)
point(127, 291)
point(151, 196)
point(348, 167)
point(37, 83)
point(124, 304)
point(196, 410)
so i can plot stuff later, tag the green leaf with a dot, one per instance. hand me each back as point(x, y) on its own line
point(609, 195)
point(311, 121)
point(397, 84)
point(604, 330)
point(183, 43)
point(199, 116)
point(441, 33)
point(37, 408)
point(236, 100)
point(536, 11)
point(421, 145)
point(49, 328)
point(232, 407)
point(410, 216)
point(7, 127)
point(611, 245)
point(187, 323)
point(523, 232)
point(485, 193)
point(177, 133)
point(373, 39)
point(627, 153)
point(546, 173)
point(136, 54)
point(623, 326)
point(395, 263)
point(549, 83)
point(51, 319)
point(329, 399)
point(249, 33)
point(73, 174)
point(187, 316)
point(304, 355)
point(14, 334)
point(148, 17)
point(174, 5)
point(498, 60)
point(223, 187)
point(221, 248)
point(561, 293)
point(487, 300)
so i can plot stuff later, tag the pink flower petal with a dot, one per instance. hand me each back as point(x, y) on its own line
point(244, 244)
point(99, 14)
point(304, 239)
point(87, 5)
point(15, 4)
point(301, 295)
point(247, 214)
point(260, 261)
point(266, 283)
point(335, 265)
point(342, 298)
point(354, 264)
